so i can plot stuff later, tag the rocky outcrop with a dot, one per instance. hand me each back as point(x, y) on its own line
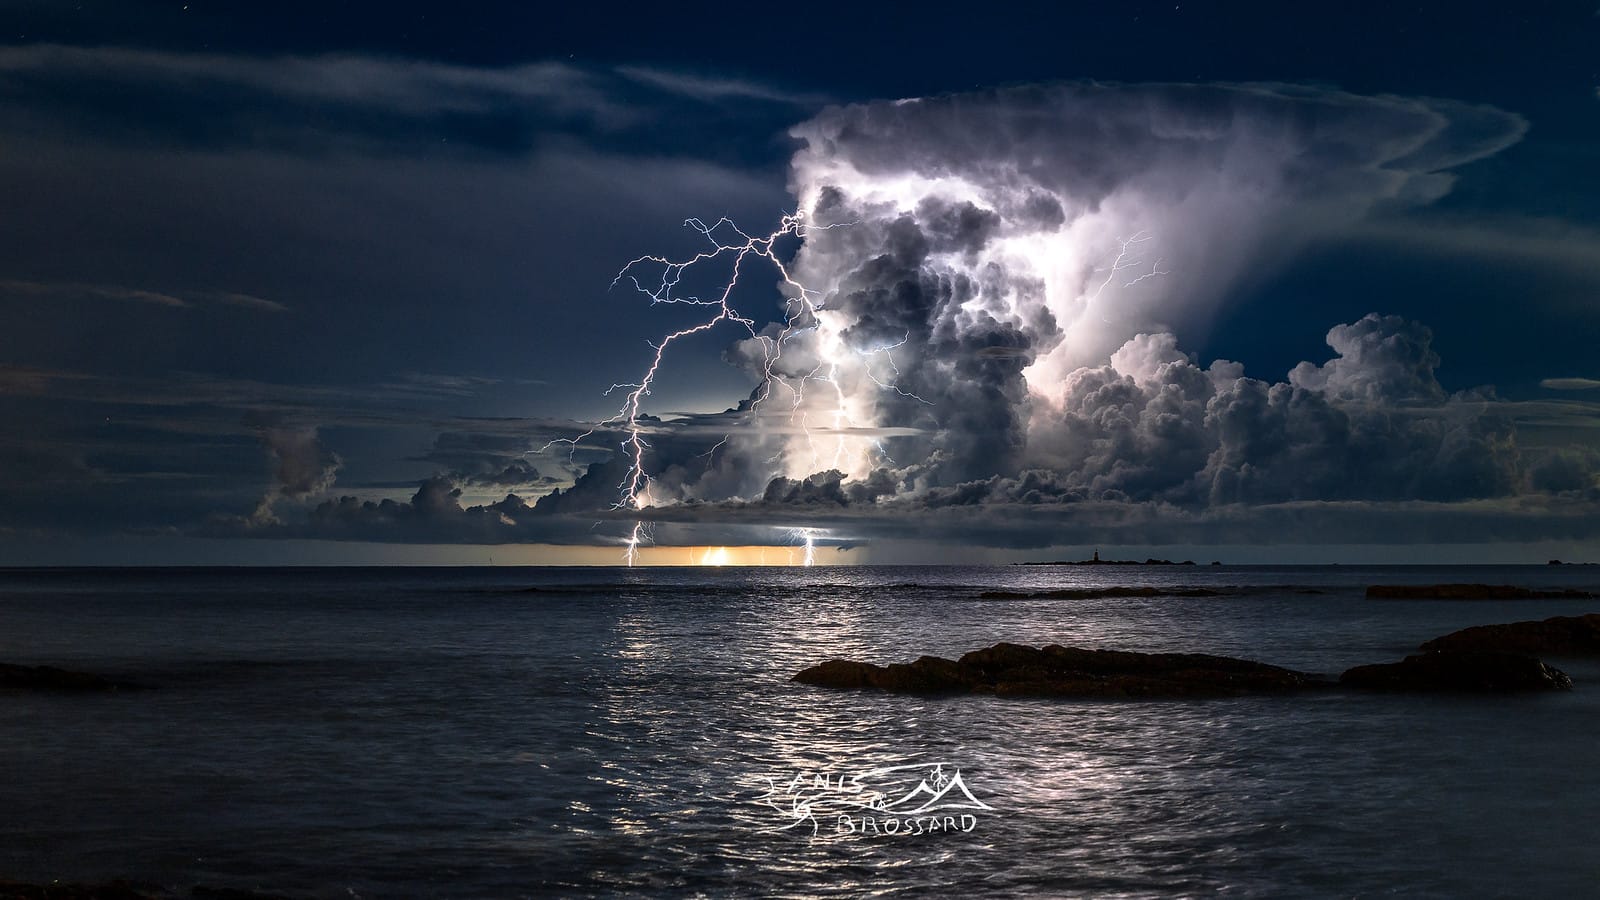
point(1467, 671)
point(1014, 670)
point(1470, 592)
point(927, 675)
point(1556, 636)
point(50, 678)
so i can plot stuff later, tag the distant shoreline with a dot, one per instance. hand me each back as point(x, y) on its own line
point(303, 567)
point(1097, 561)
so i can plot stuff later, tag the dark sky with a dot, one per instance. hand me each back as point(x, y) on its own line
point(254, 260)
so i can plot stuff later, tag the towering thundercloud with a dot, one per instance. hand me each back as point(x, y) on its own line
point(982, 303)
point(1001, 241)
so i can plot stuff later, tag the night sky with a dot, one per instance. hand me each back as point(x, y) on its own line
point(320, 283)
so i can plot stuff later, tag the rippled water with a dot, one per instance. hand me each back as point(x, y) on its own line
point(395, 732)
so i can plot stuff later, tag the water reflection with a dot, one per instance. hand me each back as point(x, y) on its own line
point(612, 732)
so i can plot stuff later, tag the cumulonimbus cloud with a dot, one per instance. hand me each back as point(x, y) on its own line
point(301, 467)
point(994, 285)
point(986, 264)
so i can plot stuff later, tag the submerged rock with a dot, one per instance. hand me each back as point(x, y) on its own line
point(50, 678)
point(1451, 670)
point(1470, 592)
point(1556, 636)
point(1015, 670)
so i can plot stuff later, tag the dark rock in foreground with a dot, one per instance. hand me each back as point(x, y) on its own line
point(1450, 670)
point(1098, 593)
point(1556, 636)
point(50, 678)
point(1014, 670)
point(1469, 592)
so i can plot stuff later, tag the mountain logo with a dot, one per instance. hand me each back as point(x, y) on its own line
point(934, 793)
point(910, 798)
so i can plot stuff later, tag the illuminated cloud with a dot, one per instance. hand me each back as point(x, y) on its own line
point(301, 467)
point(976, 268)
point(1570, 384)
point(364, 102)
point(992, 356)
point(991, 287)
point(1012, 237)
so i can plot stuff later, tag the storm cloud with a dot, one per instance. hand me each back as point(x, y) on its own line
point(301, 467)
point(982, 343)
point(1001, 276)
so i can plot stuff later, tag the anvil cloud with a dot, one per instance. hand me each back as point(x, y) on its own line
point(1002, 290)
point(999, 276)
point(988, 354)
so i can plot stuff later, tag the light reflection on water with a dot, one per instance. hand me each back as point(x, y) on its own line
point(435, 733)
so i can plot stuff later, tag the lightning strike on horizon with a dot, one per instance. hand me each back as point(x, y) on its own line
point(1005, 261)
point(804, 313)
point(801, 305)
point(808, 537)
point(632, 553)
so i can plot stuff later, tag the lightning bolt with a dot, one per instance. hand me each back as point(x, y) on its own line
point(1123, 262)
point(808, 539)
point(662, 280)
point(664, 287)
point(631, 554)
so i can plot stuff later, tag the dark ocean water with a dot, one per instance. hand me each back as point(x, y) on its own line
point(445, 732)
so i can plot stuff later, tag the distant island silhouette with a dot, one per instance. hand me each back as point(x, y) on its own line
point(1097, 561)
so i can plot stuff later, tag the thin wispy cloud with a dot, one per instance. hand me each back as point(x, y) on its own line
point(66, 290)
point(367, 102)
point(1570, 384)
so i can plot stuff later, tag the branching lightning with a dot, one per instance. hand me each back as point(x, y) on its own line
point(808, 539)
point(1123, 262)
point(800, 313)
point(844, 369)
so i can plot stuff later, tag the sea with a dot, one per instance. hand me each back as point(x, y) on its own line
point(531, 732)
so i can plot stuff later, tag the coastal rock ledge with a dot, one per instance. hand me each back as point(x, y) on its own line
point(1015, 670)
point(1465, 671)
point(1472, 592)
point(1556, 636)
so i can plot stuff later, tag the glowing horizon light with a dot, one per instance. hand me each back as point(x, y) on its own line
point(724, 556)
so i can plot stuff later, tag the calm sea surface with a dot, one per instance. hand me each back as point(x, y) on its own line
point(447, 732)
